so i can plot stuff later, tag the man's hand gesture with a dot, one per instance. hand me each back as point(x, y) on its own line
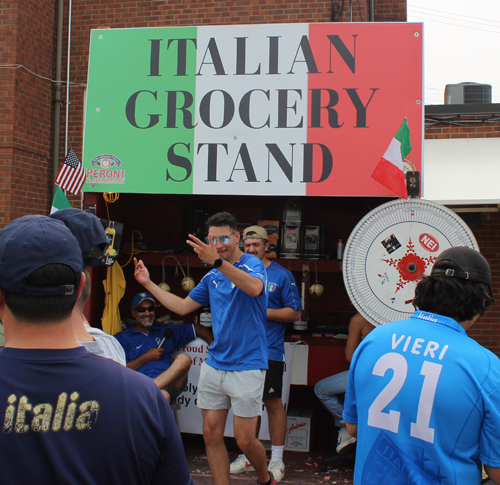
point(141, 273)
point(206, 252)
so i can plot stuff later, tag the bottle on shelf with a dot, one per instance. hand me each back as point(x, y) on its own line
point(340, 249)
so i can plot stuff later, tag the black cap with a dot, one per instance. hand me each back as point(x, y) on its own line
point(465, 263)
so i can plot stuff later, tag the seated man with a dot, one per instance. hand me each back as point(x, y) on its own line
point(330, 389)
point(141, 342)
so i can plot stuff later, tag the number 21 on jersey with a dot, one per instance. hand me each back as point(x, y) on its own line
point(390, 420)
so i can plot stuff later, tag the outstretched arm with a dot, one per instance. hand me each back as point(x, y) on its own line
point(180, 306)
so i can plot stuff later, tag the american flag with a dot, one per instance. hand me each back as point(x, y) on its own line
point(71, 175)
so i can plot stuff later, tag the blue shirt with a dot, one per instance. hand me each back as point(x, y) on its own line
point(137, 343)
point(282, 292)
point(238, 319)
point(426, 399)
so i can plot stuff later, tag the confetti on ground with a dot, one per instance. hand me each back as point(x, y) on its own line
point(299, 471)
point(309, 464)
point(327, 478)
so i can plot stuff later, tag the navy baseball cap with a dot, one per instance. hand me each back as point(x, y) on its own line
point(30, 242)
point(140, 297)
point(89, 232)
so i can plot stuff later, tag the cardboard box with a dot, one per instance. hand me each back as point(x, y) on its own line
point(298, 430)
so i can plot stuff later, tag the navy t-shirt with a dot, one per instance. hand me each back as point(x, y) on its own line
point(71, 417)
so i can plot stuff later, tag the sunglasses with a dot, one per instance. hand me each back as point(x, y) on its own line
point(222, 239)
point(141, 309)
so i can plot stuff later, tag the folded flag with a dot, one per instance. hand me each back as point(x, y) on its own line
point(71, 175)
point(60, 201)
point(389, 171)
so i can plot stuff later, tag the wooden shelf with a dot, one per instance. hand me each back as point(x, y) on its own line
point(324, 265)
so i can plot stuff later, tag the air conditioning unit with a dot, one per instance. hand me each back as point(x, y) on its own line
point(467, 93)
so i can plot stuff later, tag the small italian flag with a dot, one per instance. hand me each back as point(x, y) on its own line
point(60, 201)
point(389, 171)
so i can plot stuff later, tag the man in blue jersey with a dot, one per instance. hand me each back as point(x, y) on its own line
point(68, 410)
point(141, 345)
point(234, 372)
point(422, 397)
point(283, 306)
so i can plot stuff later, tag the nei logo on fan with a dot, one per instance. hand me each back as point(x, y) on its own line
point(428, 242)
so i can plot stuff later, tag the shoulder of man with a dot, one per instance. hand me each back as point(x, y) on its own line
point(251, 262)
point(278, 269)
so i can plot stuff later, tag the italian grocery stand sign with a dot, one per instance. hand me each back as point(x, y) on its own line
point(288, 109)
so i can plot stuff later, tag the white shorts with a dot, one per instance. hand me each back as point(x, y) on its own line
point(241, 390)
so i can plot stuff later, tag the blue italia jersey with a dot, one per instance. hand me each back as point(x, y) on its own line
point(426, 399)
point(137, 343)
point(238, 319)
point(282, 292)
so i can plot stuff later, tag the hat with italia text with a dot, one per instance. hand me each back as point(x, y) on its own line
point(30, 242)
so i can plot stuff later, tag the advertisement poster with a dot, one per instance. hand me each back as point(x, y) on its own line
point(274, 109)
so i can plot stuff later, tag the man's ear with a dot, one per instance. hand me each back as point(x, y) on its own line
point(237, 235)
point(268, 245)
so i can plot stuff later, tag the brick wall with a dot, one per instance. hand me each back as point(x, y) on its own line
point(487, 329)
point(27, 30)
point(463, 127)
